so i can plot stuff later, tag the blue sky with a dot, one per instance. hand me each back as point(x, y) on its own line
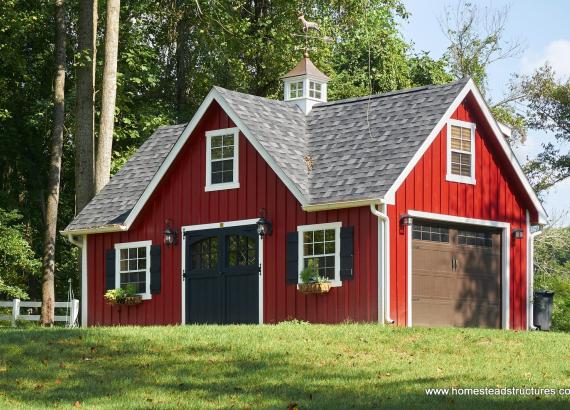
point(544, 30)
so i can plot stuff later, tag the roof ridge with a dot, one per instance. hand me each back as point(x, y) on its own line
point(393, 93)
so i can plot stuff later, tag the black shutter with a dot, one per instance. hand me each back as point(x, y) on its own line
point(346, 253)
point(109, 269)
point(292, 258)
point(155, 269)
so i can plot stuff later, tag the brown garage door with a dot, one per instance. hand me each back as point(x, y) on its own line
point(456, 276)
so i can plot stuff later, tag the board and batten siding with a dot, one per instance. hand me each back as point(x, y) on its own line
point(180, 196)
point(497, 196)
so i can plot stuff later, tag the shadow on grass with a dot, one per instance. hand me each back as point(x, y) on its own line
point(114, 369)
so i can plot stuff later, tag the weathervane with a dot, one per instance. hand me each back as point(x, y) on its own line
point(307, 27)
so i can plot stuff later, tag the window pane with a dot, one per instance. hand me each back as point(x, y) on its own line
point(217, 153)
point(216, 141)
point(124, 253)
point(228, 176)
point(228, 151)
point(308, 237)
point(329, 247)
point(319, 248)
point(142, 263)
point(228, 140)
point(319, 236)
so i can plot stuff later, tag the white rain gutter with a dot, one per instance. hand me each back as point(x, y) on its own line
point(530, 276)
point(384, 254)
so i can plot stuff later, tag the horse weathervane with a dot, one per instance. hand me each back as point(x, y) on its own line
point(307, 27)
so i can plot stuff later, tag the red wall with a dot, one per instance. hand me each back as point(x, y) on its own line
point(181, 197)
point(496, 196)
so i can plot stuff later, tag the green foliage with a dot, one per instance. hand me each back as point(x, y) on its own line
point(119, 295)
point(311, 275)
point(18, 263)
point(552, 272)
point(548, 109)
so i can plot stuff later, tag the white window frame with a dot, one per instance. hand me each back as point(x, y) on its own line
point(303, 87)
point(460, 178)
point(314, 90)
point(226, 185)
point(331, 225)
point(127, 245)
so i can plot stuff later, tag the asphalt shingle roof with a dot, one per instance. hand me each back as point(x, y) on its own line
point(358, 147)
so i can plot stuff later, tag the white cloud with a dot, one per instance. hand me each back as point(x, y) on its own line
point(557, 54)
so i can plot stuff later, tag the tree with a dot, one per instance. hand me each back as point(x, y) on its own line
point(109, 96)
point(85, 104)
point(53, 187)
point(18, 264)
point(477, 40)
point(548, 109)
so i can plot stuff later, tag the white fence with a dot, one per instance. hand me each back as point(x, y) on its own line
point(72, 310)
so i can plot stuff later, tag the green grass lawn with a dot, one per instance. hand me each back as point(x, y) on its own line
point(262, 367)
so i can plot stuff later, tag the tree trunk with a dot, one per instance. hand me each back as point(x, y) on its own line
point(85, 132)
point(48, 293)
point(108, 98)
point(182, 51)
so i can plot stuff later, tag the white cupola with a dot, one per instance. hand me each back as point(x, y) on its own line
point(305, 85)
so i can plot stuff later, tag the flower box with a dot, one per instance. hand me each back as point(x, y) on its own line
point(314, 288)
point(128, 301)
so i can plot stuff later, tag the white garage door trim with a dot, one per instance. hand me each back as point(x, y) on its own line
point(505, 256)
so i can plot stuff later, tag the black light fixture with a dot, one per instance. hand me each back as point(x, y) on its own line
point(406, 219)
point(518, 233)
point(170, 234)
point(264, 227)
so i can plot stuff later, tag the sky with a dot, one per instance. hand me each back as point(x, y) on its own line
point(544, 30)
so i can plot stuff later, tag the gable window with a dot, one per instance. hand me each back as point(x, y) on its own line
point(296, 89)
point(222, 159)
point(315, 90)
point(461, 152)
point(319, 247)
point(133, 266)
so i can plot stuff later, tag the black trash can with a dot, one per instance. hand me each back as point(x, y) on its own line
point(542, 309)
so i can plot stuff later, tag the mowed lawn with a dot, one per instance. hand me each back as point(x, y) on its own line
point(266, 367)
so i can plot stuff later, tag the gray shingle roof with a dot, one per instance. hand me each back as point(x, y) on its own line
point(358, 146)
point(113, 204)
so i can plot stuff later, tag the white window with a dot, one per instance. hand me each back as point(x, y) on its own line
point(315, 90)
point(461, 152)
point(296, 90)
point(133, 266)
point(222, 155)
point(319, 247)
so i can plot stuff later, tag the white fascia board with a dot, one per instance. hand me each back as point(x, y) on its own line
point(213, 95)
point(470, 87)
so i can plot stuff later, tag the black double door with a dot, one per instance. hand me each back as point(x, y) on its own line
point(222, 275)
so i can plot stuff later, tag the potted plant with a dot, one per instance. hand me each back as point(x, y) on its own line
point(313, 283)
point(123, 296)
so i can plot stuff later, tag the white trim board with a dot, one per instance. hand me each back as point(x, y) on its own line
point(220, 225)
point(505, 257)
point(84, 284)
point(469, 87)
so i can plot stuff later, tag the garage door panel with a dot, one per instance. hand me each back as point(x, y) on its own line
point(456, 278)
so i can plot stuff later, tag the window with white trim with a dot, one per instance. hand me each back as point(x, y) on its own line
point(133, 266)
point(319, 247)
point(315, 90)
point(296, 89)
point(461, 152)
point(222, 159)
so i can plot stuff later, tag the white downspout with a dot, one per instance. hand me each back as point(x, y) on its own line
point(530, 275)
point(384, 269)
point(82, 244)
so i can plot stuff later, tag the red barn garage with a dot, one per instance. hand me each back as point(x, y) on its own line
point(410, 204)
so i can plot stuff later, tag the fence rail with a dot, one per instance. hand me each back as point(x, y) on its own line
point(16, 304)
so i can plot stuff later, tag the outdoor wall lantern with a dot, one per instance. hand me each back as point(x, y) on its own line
point(170, 234)
point(517, 233)
point(264, 227)
point(406, 220)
